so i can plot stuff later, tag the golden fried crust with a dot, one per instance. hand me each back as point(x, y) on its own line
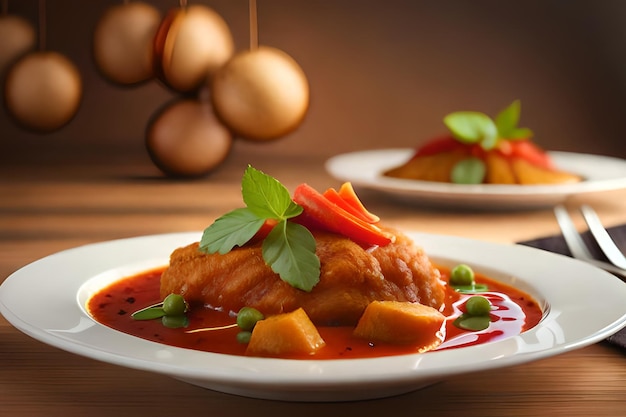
point(351, 277)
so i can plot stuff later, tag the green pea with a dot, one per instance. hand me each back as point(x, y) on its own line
point(174, 305)
point(244, 337)
point(175, 322)
point(473, 323)
point(478, 306)
point(462, 275)
point(248, 317)
point(468, 171)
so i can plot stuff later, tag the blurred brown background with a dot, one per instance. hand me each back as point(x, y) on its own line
point(382, 73)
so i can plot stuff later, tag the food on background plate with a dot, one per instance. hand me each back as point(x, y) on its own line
point(480, 150)
point(310, 276)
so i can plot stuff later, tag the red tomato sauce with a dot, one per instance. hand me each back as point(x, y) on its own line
point(513, 312)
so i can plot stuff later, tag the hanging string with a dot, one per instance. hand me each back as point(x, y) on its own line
point(254, 33)
point(42, 25)
point(183, 3)
point(5, 7)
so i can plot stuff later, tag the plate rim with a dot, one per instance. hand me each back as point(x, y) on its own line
point(311, 374)
point(373, 179)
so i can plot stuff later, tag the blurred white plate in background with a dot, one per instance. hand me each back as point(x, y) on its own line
point(364, 169)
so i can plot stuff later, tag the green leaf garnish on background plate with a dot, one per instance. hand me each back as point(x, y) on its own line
point(289, 248)
point(507, 120)
point(472, 127)
point(469, 171)
point(475, 127)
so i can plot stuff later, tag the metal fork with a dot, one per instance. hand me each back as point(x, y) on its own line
point(577, 246)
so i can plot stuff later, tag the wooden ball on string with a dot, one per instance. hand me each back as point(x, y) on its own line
point(185, 139)
point(190, 45)
point(17, 36)
point(123, 42)
point(261, 94)
point(43, 91)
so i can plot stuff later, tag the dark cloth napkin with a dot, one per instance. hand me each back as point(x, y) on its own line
point(557, 244)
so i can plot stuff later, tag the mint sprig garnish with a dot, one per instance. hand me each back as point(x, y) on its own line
point(472, 127)
point(232, 229)
point(476, 127)
point(507, 120)
point(267, 197)
point(289, 248)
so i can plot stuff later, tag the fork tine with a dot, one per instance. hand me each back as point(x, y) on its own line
point(604, 240)
point(577, 246)
point(573, 240)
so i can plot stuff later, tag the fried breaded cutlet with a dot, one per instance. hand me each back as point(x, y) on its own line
point(351, 277)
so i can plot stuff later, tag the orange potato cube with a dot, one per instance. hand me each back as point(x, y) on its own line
point(402, 323)
point(530, 174)
point(429, 167)
point(498, 170)
point(284, 335)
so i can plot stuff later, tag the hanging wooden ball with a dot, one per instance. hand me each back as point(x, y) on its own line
point(190, 45)
point(123, 42)
point(17, 36)
point(43, 91)
point(186, 139)
point(261, 94)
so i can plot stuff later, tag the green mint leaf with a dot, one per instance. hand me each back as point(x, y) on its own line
point(149, 313)
point(289, 250)
point(266, 197)
point(472, 127)
point(468, 171)
point(234, 228)
point(507, 119)
point(520, 133)
point(489, 142)
point(472, 323)
point(470, 289)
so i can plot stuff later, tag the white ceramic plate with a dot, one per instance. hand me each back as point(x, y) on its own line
point(46, 300)
point(365, 168)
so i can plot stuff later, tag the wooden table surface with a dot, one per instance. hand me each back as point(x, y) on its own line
point(57, 204)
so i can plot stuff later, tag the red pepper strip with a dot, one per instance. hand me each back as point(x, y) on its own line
point(306, 220)
point(530, 152)
point(440, 145)
point(346, 191)
point(336, 198)
point(336, 219)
